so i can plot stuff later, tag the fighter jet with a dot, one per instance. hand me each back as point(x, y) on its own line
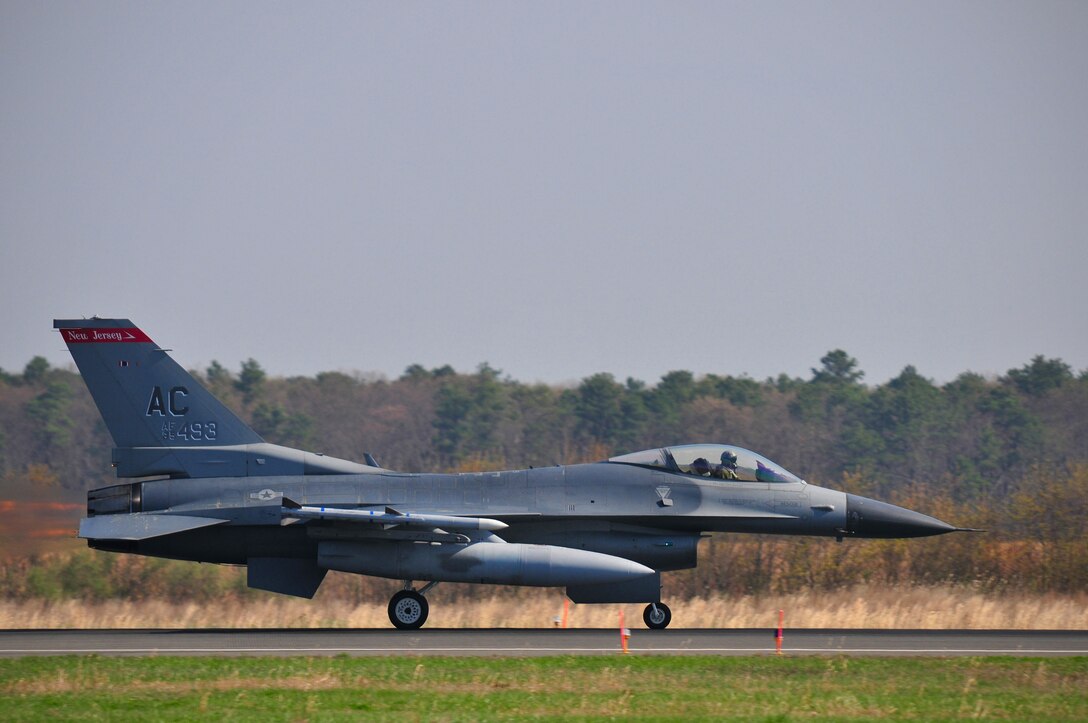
point(208, 488)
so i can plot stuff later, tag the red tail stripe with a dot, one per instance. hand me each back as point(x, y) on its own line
point(104, 336)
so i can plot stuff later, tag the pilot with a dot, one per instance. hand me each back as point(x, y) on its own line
point(728, 467)
point(700, 467)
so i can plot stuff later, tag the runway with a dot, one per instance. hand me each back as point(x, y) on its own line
point(539, 642)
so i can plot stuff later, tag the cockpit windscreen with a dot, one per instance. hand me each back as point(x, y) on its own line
point(717, 461)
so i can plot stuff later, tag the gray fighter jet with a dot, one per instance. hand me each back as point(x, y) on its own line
point(211, 490)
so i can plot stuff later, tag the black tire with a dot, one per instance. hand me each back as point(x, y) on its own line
point(408, 610)
point(657, 616)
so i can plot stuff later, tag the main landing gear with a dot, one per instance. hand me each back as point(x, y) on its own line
point(657, 616)
point(408, 609)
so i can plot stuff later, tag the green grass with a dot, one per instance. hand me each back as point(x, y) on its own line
point(342, 688)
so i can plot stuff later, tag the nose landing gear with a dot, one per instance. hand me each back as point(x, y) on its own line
point(657, 616)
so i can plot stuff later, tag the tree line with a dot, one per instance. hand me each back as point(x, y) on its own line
point(974, 437)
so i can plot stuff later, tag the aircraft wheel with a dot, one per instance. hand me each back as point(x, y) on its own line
point(657, 616)
point(408, 610)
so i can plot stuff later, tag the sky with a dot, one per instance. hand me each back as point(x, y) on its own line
point(556, 189)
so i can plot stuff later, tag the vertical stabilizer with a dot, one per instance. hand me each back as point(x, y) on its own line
point(145, 397)
point(163, 422)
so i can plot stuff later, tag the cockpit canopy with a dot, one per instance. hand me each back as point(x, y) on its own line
point(716, 461)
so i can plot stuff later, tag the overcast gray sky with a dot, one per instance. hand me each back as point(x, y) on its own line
point(555, 188)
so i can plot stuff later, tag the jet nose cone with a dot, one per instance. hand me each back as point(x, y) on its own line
point(870, 518)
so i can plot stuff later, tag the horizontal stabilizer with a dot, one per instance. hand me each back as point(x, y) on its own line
point(140, 526)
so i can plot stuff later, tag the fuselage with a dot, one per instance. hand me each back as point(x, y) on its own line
point(544, 505)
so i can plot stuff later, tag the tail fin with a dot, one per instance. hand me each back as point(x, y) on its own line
point(163, 421)
point(145, 397)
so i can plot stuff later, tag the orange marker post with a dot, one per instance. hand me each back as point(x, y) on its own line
point(624, 634)
point(778, 633)
point(560, 621)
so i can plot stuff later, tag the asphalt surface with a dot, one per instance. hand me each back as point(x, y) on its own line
point(536, 642)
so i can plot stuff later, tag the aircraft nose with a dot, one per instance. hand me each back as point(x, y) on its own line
point(871, 518)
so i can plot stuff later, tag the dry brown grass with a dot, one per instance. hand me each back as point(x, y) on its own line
point(914, 607)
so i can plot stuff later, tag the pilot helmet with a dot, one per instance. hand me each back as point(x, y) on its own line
point(729, 459)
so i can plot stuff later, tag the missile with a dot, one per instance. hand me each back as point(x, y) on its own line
point(389, 517)
point(481, 562)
